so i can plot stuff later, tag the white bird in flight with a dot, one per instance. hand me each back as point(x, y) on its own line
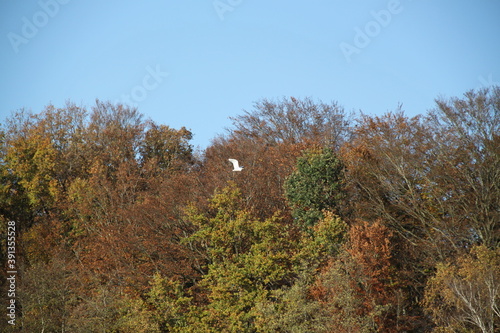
point(236, 165)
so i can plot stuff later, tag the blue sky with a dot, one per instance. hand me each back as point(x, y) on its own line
point(196, 63)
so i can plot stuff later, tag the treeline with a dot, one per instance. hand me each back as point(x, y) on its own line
point(338, 222)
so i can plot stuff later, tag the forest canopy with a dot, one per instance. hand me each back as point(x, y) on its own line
point(338, 222)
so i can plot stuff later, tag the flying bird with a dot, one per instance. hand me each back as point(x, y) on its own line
point(236, 165)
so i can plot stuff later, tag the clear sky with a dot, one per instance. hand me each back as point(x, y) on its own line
point(196, 63)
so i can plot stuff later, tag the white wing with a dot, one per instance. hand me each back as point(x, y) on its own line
point(236, 165)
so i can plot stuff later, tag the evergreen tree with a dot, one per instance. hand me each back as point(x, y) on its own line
point(315, 186)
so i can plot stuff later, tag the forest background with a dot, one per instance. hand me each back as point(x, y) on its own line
point(338, 222)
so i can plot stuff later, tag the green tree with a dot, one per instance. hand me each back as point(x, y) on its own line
point(290, 309)
point(293, 308)
point(246, 259)
point(256, 272)
point(169, 304)
point(315, 186)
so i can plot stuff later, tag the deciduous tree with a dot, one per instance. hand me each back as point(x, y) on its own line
point(358, 291)
point(246, 259)
point(465, 295)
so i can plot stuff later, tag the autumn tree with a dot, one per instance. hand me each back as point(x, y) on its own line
point(294, 308)
point(267, 140)
point(42, 154)
point(388, 165)
point(463, 296)
point(92, 192)
point(166, 147)
point(433, 180)
point(246, 259)
point(169, 304)
point(358, 291)
point(262, 179)
point(425, 176)
point(292, 120)
point(14, 202)
point(124, 211)
point(47, 295)
point(331, 226)
point(469, 149)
